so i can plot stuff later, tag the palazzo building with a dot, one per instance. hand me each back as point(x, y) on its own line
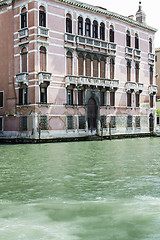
point(69, 69)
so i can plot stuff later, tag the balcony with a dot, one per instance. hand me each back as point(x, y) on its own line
point(43, 32)
point(111, 46)
point(152, 89)
point(22, 78)
point(137, 53)
point(88, 41)
point(22, 33)
point(91, 81)
point(131, 86)
point(151, 57)
point(129, 52)
point(44, 77)
point(139, 87)
point(69, 38)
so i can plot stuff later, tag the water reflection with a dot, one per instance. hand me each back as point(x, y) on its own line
point(82, 190)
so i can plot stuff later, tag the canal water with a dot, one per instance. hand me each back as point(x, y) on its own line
point(81, 190)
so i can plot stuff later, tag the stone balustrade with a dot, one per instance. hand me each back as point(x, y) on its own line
point(43, 31)
point(23, 33)
point(44, 77)
point(91, 81)
point(22, 78)
point(152, 89)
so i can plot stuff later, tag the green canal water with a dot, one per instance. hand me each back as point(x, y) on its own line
point(81, 190)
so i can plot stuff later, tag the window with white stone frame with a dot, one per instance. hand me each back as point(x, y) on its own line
point(129, 121)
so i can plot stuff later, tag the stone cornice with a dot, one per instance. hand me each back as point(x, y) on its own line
point(105, 12)
point(95, 9)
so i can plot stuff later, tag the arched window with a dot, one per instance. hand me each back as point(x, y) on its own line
point(137, 71)
point(87, 28)
point(136, 41)
point(128, 71)
point(80, 65)
point(43, 63)
point(88, 65)
point(80, 26)
point(151, 75)
point(69, 63)
point(111, 34)
point(111, 68)
point(95, 66)
point(24, 59)
point(42, 16)
point(23, 95)
point(128, 39)
point(150, 45)
point(102, 68)
point(102, 31)
point(68, 23)
point(95, 29)
point(23, 18)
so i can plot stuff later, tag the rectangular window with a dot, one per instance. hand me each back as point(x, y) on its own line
point(1, 124)
point(103, 122)
point(69, 96)
point(23, 96)
point(129, 99)
point(112, 98)
point(151, 101)
point(43, 95)
point(23, 123)
point(113, 122)
point(82, 122)
point(80, 97)
point(70, 122)
point(137, 100)
point(129, 121)
point(1, 99)
point(44, 122)
point(138, 122)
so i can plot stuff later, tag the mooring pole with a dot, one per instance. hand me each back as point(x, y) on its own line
point(110, 134)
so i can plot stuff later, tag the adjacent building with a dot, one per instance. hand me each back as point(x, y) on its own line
point(69, 69)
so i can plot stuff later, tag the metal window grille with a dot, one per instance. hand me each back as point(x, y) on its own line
point(44, 122)
point(82, 122)
point(129, 121)
point(70, 122)
point(23, 123)
point(103, 121)
point(138, 122)
point(113, 121)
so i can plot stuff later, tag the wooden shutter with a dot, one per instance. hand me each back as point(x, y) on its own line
point(102, 69)
point(95, 67)
point(80, 66)
point(151, 75)
point(137, 73)
point(43, 59)
point(128, 71)
point(111, 69)
point(69, 63)
point(88, 66)
point(80, 97)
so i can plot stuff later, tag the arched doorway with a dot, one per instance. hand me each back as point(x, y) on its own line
point(151, 123)
point(92, 114)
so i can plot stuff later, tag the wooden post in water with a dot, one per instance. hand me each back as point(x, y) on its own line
point(110, 134)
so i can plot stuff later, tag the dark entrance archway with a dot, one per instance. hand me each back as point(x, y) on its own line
point(151, 123)
point(92, 114)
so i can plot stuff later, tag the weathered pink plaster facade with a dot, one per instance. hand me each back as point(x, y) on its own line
point(58, 100)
